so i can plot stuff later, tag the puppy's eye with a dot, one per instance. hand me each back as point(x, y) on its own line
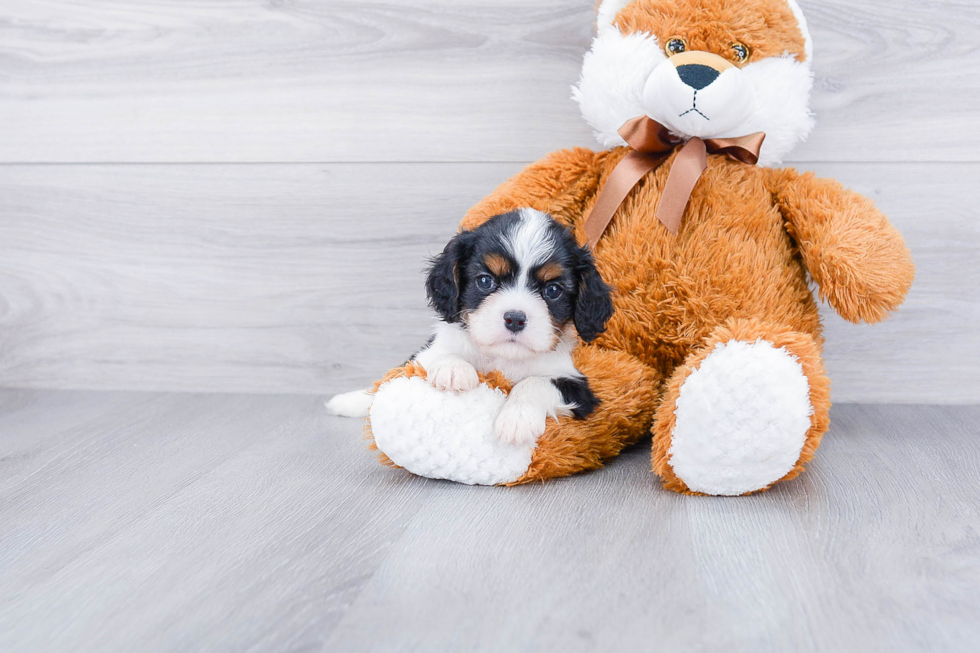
point(485, 282)
point(675, 45)
point(740, 52)
point(553, 291)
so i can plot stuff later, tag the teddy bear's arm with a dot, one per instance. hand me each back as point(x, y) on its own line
point(559, 184)
point(857, 257)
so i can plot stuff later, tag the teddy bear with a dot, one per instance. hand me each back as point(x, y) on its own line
point(714, 349)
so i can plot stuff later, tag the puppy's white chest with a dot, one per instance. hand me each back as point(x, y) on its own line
point(552, 364)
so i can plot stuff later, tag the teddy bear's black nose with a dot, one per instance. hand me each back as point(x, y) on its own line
point(696, 75)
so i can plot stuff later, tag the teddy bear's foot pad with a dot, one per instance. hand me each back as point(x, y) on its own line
point(742, 419)
point(444, 434)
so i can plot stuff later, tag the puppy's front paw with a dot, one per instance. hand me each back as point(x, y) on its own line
point(519, 424)
point(453, 375)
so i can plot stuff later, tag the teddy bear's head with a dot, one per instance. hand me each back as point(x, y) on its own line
point(706, 68)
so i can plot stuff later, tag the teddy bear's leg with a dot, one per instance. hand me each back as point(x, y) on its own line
point(450, 435)
point(747, 409)
point(628, 391)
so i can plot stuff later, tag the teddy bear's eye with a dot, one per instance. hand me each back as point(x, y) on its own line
point(675, 45)
point(741, 52)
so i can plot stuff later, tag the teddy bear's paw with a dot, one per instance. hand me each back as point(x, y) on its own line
point(446, 435)
point(453, 374)
point(741, 419)
point(519, 423)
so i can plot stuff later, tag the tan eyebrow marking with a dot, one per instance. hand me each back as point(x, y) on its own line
point(497, 264)
point(549, 271)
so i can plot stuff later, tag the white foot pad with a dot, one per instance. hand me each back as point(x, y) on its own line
point(445, 435)
point(742, 419)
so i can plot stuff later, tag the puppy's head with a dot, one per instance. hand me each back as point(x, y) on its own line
point(706, 68)
point(516, 283)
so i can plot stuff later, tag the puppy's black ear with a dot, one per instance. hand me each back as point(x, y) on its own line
point(444, 283)
point(593, 305)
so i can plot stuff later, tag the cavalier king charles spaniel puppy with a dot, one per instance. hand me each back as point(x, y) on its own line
point(514, 295)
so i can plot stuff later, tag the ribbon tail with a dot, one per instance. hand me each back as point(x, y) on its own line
point(627, 173)
point(745, 149)
point(652, 143)
point(687, 168)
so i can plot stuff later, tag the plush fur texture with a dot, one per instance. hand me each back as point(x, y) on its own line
point(627, 73)
point(448, 436)
point(443, 435)
point(749, 240)
point(736, 276)
point(609, 9)
point(740, 418)
point(804, 350)
point(627, 392)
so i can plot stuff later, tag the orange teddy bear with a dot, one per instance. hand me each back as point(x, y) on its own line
point(715, 344)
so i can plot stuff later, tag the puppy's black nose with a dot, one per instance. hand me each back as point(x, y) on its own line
point(515, 320)
point(696, 75)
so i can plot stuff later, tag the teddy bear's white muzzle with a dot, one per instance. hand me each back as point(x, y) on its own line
point(698, 100)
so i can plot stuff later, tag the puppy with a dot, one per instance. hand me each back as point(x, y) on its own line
point(513, 295)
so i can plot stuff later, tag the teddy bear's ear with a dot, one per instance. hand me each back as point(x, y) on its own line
point(801, 21)
point(608, 10)
point(444, 281)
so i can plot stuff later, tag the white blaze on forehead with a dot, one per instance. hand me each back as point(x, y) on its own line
point(531, 242)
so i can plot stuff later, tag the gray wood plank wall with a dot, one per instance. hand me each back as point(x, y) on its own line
point(240, 196)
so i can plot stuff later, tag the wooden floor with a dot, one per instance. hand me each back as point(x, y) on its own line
point(178, 522)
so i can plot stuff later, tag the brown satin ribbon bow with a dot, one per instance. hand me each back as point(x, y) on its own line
point(652, 144)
